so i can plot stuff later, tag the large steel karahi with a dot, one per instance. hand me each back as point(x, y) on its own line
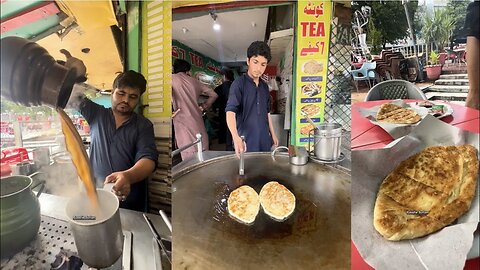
point(206, 237)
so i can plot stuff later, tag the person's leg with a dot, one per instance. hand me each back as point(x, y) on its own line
point(473, 67)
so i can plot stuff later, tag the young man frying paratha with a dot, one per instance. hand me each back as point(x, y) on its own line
point(248, 105)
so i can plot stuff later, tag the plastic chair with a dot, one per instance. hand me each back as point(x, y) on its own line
point(395, 89)
point(365, 73)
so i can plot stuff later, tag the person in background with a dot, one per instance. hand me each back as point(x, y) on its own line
point(122, 148)
point(472, 25)
point(248, 105)
point(187, 113)
point(222, 91)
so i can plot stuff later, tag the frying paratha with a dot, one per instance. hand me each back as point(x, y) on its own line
point(244, 204)
point(426, 192)
point(391, 113)
point(277, 201)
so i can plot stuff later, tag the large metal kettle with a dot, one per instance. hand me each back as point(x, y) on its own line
point(31, 77)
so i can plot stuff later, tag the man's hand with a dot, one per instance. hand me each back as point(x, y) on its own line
point(175, 113)
point(275, 140)
point(240, 146)
point(76, 64)
point(122, 184)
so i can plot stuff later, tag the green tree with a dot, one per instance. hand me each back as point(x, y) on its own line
point(9, 106)
point(374, 37)
point(437, 28)
point(418, 21)
point(389, 18)
point(458, 11)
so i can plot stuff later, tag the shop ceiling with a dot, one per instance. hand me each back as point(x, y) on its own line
point(68, 25)
point(230, 43)
point(239, 26)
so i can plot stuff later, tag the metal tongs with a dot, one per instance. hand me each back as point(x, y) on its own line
point(309, 119)
point(241, 170)
point(157, 237)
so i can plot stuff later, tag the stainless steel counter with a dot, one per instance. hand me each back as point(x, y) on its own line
point(53, 210)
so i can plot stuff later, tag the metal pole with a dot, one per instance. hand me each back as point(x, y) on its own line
point(412, 36)
point(17, 133)
point(199, 147)
point(198, 142)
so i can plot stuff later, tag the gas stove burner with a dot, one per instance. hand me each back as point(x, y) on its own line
point(65, 262)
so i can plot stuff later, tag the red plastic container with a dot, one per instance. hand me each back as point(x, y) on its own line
point(11, 156)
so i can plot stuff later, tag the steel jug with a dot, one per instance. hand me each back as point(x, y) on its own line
point(31, 77)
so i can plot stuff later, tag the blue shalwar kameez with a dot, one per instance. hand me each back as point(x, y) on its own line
point(251, 105)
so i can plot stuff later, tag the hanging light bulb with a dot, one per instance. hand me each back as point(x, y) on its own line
point(216, 25)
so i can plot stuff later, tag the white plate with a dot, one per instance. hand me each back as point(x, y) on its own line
point(448, 109)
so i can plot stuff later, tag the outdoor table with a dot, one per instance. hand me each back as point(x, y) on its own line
point(366, 135)
point(359, 264)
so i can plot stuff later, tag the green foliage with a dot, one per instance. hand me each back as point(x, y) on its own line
point(374, 37)
point(418, 21)
point(8, 106)
point(437, 29)
point(458, 10)
point(389, 18)
point(433, 58)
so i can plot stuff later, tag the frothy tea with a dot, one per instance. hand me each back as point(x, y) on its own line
point(79, 156)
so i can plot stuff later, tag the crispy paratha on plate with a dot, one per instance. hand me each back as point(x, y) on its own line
point(277, 201)
point(426, 192)
point(244, 204)
point(391, 113)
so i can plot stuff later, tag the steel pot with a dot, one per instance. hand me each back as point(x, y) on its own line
point(22, 168)
point(97, 232)
point(327, 141)
point(20, 213)
point(41, 156)
point(31, 77)
point(300, 159)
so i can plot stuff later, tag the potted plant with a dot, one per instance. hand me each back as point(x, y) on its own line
point(434, 69)
point(441, 58)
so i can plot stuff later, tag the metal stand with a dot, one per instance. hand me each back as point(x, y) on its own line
point(321, 161)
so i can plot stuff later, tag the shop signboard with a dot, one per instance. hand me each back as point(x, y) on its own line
point(205, 69)
point(311, 65)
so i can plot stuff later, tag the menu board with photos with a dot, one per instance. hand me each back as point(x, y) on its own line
point(312, 40)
